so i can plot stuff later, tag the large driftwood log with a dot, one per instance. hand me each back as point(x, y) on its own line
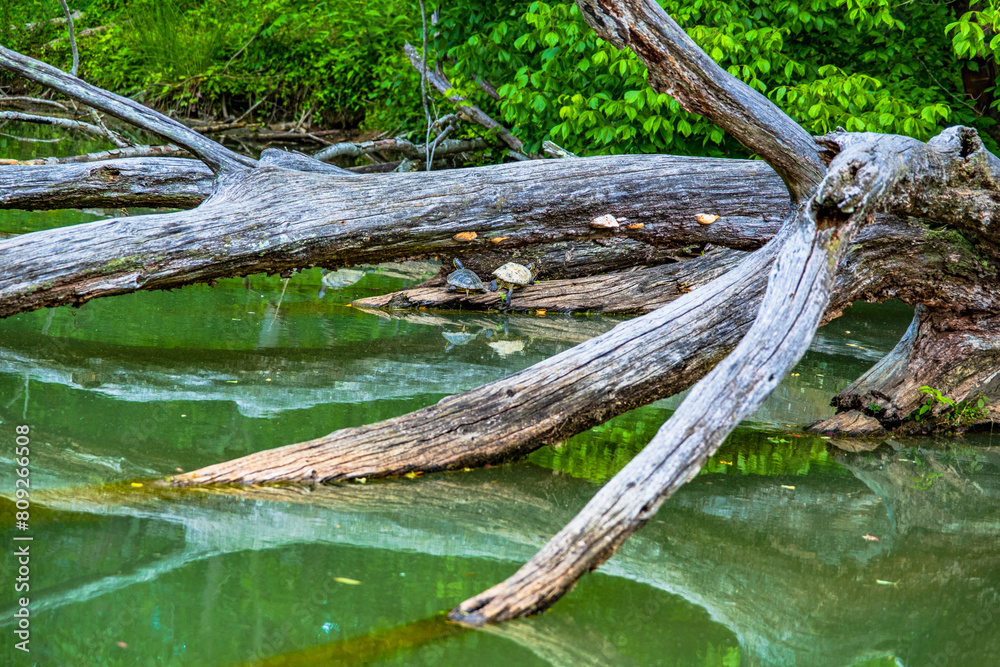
point(275, 219)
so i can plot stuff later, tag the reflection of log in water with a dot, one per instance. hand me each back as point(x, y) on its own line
point(787, 569)
point(273, 381)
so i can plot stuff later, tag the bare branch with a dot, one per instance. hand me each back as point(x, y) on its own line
point(20, 101)
point(66, 123)
point(219, 158)
point(401, 146)
point(276, 219)
point(465, 110)
point(72, 39)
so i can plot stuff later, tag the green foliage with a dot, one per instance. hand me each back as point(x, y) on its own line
point(865, 65)
point(959, 415)
point(336, 60)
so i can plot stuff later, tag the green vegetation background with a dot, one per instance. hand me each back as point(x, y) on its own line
point(859, 64)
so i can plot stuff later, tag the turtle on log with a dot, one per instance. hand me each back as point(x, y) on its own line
point(510, 276)
point(464, 279)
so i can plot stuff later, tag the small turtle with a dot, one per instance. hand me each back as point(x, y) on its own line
point(510, 276)
point(464, 279)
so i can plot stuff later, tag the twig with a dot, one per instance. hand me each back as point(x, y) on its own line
point(115, 138)
point(72, 38)
point(452, 124)
point(5, 101)
point(244, 47)
point(423, 86)
point(255, 105)
point(56, 121)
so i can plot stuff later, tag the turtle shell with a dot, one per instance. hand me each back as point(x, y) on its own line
point(514, 273)
point(465, 279)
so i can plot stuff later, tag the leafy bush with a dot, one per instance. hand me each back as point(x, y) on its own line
point(860, 64)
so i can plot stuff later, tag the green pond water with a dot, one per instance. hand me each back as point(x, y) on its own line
point(766, 558)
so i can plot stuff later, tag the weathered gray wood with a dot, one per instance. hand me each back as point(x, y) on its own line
point(637, 362)
point(55, 121)
point(273, 219)
point(174, 182)
point(796, 298)
point(680, 69)
point(954, 352)
point(216, 156)
point(167, 150)
point(400, 146)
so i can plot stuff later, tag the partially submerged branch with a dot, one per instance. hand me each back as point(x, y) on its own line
point(65, 123)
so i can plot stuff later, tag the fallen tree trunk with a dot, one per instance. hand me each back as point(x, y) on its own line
point(642, 290)
point(332, 220)
point(173, 182)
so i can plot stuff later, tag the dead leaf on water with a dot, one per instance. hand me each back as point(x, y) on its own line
point(345, 580)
